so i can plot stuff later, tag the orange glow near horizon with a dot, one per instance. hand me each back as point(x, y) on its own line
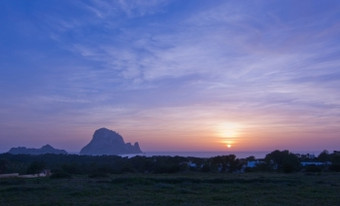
point(228, 133)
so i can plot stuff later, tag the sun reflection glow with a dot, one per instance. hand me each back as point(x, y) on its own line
point(228, 133)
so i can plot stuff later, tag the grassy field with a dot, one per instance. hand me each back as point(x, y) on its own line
point(178, 189)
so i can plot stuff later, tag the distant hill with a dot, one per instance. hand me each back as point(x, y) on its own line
point(108, 142)
point(47, 149)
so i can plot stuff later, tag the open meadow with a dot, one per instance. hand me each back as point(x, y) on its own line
point(175, 189)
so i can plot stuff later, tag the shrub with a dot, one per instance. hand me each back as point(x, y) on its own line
point(58, 174)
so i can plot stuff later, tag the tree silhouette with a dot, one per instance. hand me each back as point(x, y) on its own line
point(283, 161)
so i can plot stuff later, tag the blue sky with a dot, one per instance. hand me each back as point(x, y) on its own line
point(258, 75)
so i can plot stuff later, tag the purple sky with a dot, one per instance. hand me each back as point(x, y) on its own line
point(171, 74)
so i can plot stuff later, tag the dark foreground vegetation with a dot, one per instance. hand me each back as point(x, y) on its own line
point(281, 178)
point(175, 189)
point(68, 165)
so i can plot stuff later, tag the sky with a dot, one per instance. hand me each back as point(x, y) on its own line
point(174, 75)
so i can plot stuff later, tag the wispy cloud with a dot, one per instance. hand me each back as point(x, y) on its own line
point(132, 9)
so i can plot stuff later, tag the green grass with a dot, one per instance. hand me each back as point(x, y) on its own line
point(178, 189)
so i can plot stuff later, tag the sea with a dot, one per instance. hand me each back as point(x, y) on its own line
point(208, 154)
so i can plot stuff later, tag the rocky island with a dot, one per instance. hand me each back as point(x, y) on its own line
point(108, 142)
point(47, 149)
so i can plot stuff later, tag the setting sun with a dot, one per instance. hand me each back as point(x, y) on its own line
point(228, 133)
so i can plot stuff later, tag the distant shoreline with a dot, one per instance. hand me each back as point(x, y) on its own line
point(208, 154)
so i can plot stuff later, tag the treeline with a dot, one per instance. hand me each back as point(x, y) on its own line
point(68, 165)
point(287, 162)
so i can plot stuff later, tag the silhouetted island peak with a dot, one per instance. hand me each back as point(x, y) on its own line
point(109, 142)
point(46, 149)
